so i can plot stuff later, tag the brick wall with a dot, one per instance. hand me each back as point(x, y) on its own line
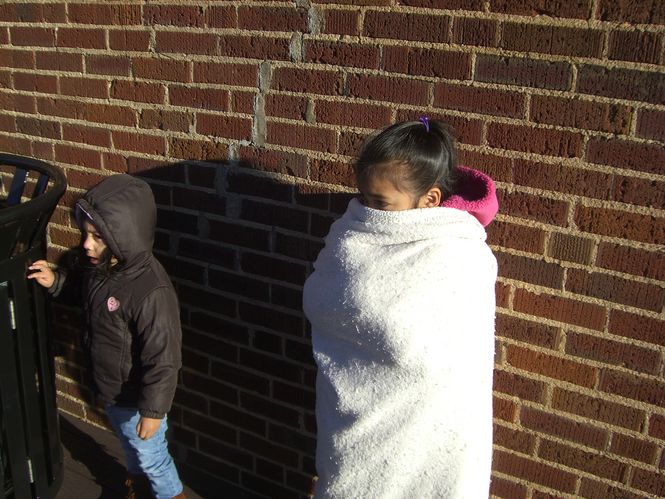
point(245, 116)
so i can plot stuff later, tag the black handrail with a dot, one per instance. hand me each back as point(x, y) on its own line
point(30, 451)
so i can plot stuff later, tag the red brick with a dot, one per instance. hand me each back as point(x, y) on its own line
point(649, 481)
point(160, 69)
point(445, 4)
point(4, 35)
point(245, 75)
point(342, 54)
point(26, 36)
point(390, 89)
point(203, 98)
point(307, 81)
point(165, 120)
point(560, 309)
point(504, 409)
point(7, 123)
point(523, 72)
point(536, 140)
point(352, 114)
point(341, 22)
point(631, 386)
point(132, 141)
point(634, 448)
point(613, 352)
point(84, 87)
point(505, 489)
point(640, 191)
point(525, 331)
point(60, 61)
point(38, 127)
point(657, 426)
point(590, 462)
point(479, 100)
point(24, 59)
point(36, 83)
point(530, 270)
point(129, 40)
point(616, 289)
point(221, 17)
point(554, 40)
point(636, 12)
point(35, 13)
point(413, 61)
point(472, 31)
point(545, 422)
point(633, 226)
point(350, 142)
point(251, 47)
point(186, 43)
point(78, 156)
point(274, 161)
point(635, 46)
point(333, 172)
point(497, 167)
point(621, 83)
point(138, 91)
point(592, 489)
point(228, 126)
point(633, 261)
point(197, 149)
point(15, 145)
point(579, 9)
point(637, 327)
point(463, 129)
point(560, 178)
point(86, 135)
point(286, 106)
point(242, 102)
point(651, 124)
point(539, 208)
point(406, 26)
point(173, 15)
point(553, 367)
point(626, 154)
point(512, 439)
point(104, 14)
point(18, 103)
point(533, 471)
point(578, 113)
point(81, 38)
point(272, 19)
point(520, 237)
point(302, 137)
point(108, 65)
point(570, 248)
point(519, 386)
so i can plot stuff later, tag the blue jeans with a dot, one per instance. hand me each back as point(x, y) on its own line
point(150, 457)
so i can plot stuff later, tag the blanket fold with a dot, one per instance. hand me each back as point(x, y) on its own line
point(402, 311)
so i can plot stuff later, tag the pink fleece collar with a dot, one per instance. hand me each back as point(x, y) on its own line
point(476, 195)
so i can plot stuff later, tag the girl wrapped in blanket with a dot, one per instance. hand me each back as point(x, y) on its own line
point(402, 306)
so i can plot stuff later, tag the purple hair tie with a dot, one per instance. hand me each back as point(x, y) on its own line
point(425, 121)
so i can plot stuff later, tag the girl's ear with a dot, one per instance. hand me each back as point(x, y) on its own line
point(431, 198)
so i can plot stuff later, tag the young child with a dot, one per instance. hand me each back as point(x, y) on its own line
point(133, 331)
point(402, 305)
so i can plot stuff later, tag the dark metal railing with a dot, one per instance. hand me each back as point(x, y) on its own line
point(30, 451)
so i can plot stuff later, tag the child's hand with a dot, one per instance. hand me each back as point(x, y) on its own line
point(147, 427)
point(42, 273)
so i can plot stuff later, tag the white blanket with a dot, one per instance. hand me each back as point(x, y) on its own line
point(402, 311)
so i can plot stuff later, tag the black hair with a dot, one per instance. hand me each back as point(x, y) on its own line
point(421, 153)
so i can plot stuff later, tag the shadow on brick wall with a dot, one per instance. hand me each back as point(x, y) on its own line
point(238, 245)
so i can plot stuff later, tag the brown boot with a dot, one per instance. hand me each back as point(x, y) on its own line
point(138, 487)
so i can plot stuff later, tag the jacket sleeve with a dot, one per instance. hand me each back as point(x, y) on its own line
point(160, 339)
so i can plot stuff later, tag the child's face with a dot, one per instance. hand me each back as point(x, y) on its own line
point(93, 243)
point(380, 193)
